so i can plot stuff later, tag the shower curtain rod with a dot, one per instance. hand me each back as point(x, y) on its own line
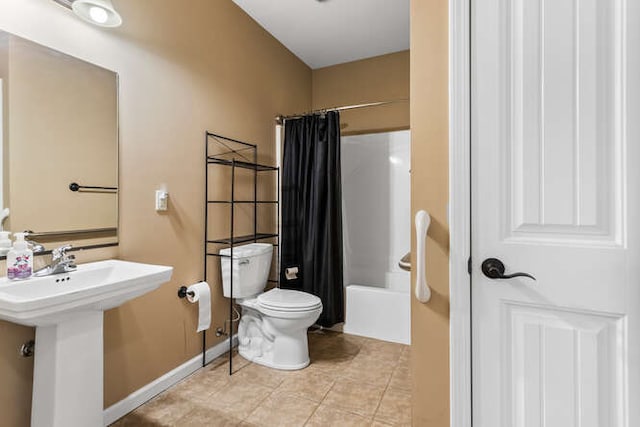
point(281, 119)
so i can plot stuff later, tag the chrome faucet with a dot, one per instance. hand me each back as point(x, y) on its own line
point(32, 244)
point(61, 262)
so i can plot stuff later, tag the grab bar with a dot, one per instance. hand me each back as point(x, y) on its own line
point(422, 291)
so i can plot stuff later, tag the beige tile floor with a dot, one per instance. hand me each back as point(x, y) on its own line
point(352, 381)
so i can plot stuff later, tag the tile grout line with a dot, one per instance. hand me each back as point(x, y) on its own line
point(320, 403)
point(262, 401)
point(395, 368)
point(355, 380)
point(328, 391)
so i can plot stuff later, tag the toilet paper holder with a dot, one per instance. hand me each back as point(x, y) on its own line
point(291, 273)
point(183, 292)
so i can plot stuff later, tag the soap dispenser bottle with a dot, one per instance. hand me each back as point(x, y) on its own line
point(19, 259)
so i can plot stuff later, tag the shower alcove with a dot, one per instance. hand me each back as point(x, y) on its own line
point(377, 234)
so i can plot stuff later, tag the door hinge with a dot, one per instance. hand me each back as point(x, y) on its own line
point(469, 266)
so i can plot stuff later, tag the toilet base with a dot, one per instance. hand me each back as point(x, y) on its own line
point(269, 364)
point(274, 342)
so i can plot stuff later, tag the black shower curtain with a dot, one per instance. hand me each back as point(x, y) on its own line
point(312, 211)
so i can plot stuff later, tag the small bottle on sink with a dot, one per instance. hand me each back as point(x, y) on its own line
point(19, 259)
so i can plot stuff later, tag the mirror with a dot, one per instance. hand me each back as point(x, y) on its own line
point(59, 127)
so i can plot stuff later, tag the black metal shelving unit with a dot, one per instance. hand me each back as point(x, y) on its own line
point(235, 154)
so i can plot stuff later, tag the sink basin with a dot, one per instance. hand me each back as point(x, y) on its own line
point(67, 310)
point(42, 301)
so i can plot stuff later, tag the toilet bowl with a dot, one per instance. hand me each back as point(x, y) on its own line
point(273, 327)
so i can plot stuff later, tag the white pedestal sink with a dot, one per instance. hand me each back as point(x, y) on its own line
point(67, 311)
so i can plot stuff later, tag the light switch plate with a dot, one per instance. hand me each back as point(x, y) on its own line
point(162, 198)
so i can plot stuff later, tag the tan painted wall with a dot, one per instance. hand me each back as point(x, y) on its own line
point(429, 184)
point(182, 70)
point(382, 78)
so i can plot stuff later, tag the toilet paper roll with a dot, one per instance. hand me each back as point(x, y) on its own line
point(201, 293)
point(291, 273)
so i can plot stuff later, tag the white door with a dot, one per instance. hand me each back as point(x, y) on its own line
point(556, 194)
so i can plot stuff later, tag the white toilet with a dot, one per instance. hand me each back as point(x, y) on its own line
point(273, 326)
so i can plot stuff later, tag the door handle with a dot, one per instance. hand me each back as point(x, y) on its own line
point(493, 268)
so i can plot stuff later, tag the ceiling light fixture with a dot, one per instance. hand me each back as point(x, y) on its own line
point(97, 12)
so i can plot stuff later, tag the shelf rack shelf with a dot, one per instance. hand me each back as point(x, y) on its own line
point(235, 154)
point(243, 239)
point(240, 164)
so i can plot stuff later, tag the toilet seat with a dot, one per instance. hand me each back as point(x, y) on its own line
point(288, 301)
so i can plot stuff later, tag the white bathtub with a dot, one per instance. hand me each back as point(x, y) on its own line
point(381, 313)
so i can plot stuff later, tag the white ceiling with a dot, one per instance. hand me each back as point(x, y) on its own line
point(329, 32)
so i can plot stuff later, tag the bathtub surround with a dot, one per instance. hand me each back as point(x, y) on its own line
point(377, 228)
point(312, 211)
point(377, 223)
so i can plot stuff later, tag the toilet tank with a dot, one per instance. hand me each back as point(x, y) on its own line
point(251, 265)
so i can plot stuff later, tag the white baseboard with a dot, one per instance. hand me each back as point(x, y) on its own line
point(219, 349)
point(149, 391)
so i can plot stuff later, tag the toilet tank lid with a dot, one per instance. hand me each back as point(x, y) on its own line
point(288, 299)
point(250, 250)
